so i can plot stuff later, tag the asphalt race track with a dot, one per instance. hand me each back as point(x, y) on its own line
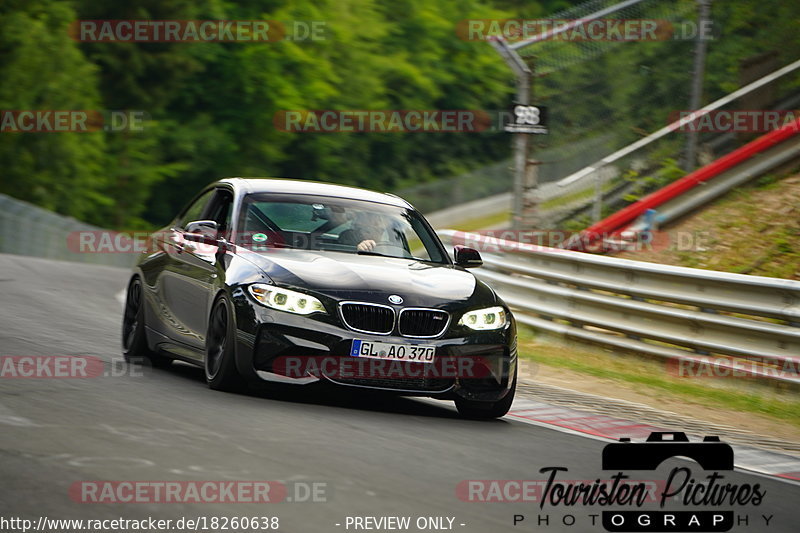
point(377, 456)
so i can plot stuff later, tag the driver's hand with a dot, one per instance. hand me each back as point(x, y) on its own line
point(366, 246)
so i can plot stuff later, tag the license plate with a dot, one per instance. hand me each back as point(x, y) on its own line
point(398, 352)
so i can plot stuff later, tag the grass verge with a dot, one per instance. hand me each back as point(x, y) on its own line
point(751, 230)
point(484, 222)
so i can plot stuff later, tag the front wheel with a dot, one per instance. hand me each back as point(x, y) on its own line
point(220, 365)
point(488, 410)
point(134, 341)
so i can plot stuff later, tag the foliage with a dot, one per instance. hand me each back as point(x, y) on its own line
point(211, 105)
point(668, 171)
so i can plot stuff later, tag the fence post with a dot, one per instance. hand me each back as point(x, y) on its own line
point(704, 8)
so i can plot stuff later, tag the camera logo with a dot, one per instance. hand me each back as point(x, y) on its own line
point(678, 497)
point(711, 453)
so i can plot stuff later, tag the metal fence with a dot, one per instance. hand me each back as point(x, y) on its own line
point(555, 163)
point(729, 323)
point(26, 229)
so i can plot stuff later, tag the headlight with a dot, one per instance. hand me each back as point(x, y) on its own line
point(484, 319)
point(285, 300)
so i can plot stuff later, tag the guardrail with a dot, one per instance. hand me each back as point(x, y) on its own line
point(760, 146)
point(730, 323)
point(707, 190)
point(26, 229)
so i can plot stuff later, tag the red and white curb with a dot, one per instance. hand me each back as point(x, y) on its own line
point(607, 428)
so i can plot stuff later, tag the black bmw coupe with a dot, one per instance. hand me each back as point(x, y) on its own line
point(302, 282)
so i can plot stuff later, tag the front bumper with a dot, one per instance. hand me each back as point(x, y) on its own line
point(284, 347)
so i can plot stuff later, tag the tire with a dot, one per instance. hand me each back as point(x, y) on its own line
point(220, 363)
point(134, 339)
point(488, 410)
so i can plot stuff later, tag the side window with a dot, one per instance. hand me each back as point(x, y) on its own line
point(195, 211)
point(220, 211)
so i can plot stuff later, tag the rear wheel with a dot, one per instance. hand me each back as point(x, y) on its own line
point(134, 340)
point(488, 410)
point(220, 364)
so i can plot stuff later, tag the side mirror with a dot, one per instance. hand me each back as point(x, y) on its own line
point(467, 257)
point(205, 231)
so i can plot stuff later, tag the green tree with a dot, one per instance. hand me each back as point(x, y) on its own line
point(41, 68)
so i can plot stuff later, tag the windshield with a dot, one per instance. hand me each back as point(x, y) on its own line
point(335, 224)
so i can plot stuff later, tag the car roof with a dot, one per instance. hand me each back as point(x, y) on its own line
point(291, 186)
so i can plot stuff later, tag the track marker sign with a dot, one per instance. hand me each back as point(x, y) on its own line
point(528, 119)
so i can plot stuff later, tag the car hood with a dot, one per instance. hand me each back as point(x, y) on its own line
point(370, 278)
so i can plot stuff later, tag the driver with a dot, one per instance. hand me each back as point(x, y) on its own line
point(370, 229)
